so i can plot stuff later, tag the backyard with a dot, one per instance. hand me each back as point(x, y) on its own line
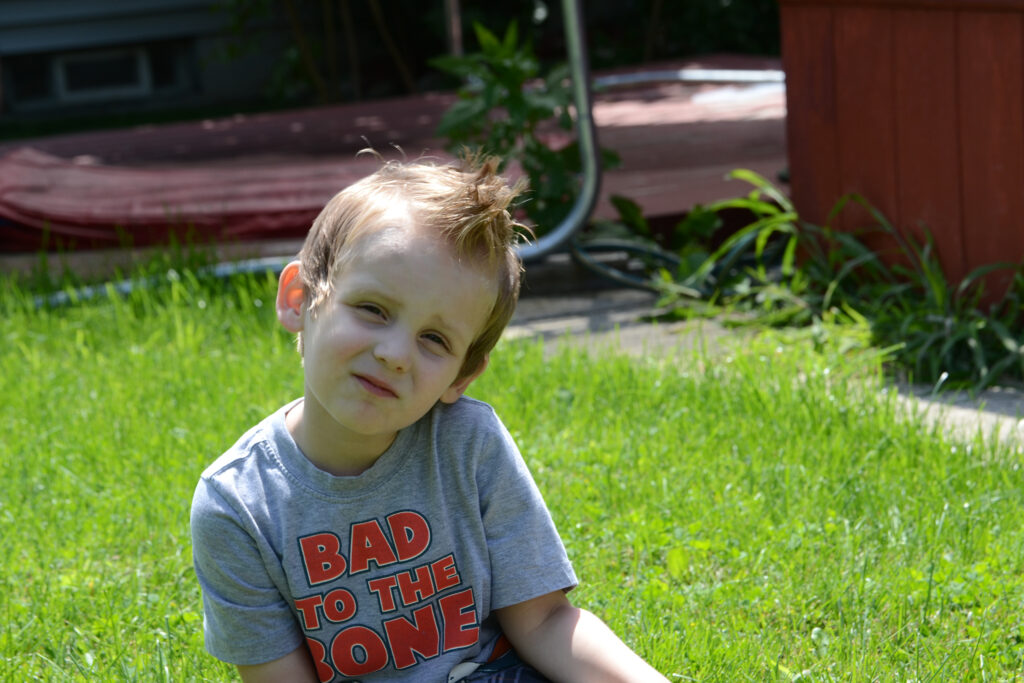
point(766, 512)
point(763, 508)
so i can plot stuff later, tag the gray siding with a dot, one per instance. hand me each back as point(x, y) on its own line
point(36, 34)
point(31, 26)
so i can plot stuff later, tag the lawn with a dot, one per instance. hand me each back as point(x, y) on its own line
point(765, 513)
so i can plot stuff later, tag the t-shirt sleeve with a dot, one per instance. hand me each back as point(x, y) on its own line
point(245, 618)
point(527, 556)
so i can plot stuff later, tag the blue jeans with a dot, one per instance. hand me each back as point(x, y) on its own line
point(507, 668)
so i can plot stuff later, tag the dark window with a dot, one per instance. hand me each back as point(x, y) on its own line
point(163, 65)
point(91, 72)
point(30, 77)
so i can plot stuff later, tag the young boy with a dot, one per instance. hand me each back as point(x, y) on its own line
point(383, 527)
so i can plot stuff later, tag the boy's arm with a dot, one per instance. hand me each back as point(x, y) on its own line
point(570, 644)
point(296, 666)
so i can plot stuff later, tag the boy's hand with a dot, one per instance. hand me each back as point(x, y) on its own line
point(566, 643)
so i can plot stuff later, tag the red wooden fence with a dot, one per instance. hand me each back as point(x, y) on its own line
point(919, 106)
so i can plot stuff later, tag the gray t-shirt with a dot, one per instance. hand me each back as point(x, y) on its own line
point(391, 575)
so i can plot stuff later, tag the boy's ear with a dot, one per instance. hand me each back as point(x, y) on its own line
point(459, 386)
point(291, 298)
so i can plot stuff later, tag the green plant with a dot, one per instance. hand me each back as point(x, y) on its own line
point(504, 108)
point(789, 271)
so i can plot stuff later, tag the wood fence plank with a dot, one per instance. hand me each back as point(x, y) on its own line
point(927, 142)
point(865, 113)
point(807, 57)
point(990, 73)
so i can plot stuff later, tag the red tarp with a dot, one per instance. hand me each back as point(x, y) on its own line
point(87, 206)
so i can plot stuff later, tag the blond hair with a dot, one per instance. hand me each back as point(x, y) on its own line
point(467, 204)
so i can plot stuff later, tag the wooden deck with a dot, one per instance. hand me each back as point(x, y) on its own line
point(677, 142)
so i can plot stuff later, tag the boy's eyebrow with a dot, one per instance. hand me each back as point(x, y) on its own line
point(371, 291)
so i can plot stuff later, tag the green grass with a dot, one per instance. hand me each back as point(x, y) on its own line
point(766, 514)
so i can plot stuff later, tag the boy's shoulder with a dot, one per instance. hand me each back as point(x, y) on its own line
point(258, 440)
point(466, 415)
point(470, 408)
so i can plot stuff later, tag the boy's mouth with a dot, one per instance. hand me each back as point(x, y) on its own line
point(376, 386)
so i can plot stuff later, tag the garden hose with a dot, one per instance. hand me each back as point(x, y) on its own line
point(643, 262)
point(651, 256)
point(221, 271)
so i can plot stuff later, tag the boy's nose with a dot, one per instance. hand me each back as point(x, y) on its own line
point(394, 351)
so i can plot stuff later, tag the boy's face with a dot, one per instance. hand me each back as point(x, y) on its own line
point(390, 340)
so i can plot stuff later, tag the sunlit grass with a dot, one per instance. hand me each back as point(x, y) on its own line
point(764, 514)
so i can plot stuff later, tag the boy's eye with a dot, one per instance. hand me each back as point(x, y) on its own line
point(435, 338)
point(372, 309)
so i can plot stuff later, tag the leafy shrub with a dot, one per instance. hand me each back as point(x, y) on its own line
point(502, 108)
point(787, 271)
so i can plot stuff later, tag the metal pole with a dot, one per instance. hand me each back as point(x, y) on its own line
point(576, 45)
point(453, 25)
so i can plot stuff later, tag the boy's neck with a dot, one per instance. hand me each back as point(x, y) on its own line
point(343, 455)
